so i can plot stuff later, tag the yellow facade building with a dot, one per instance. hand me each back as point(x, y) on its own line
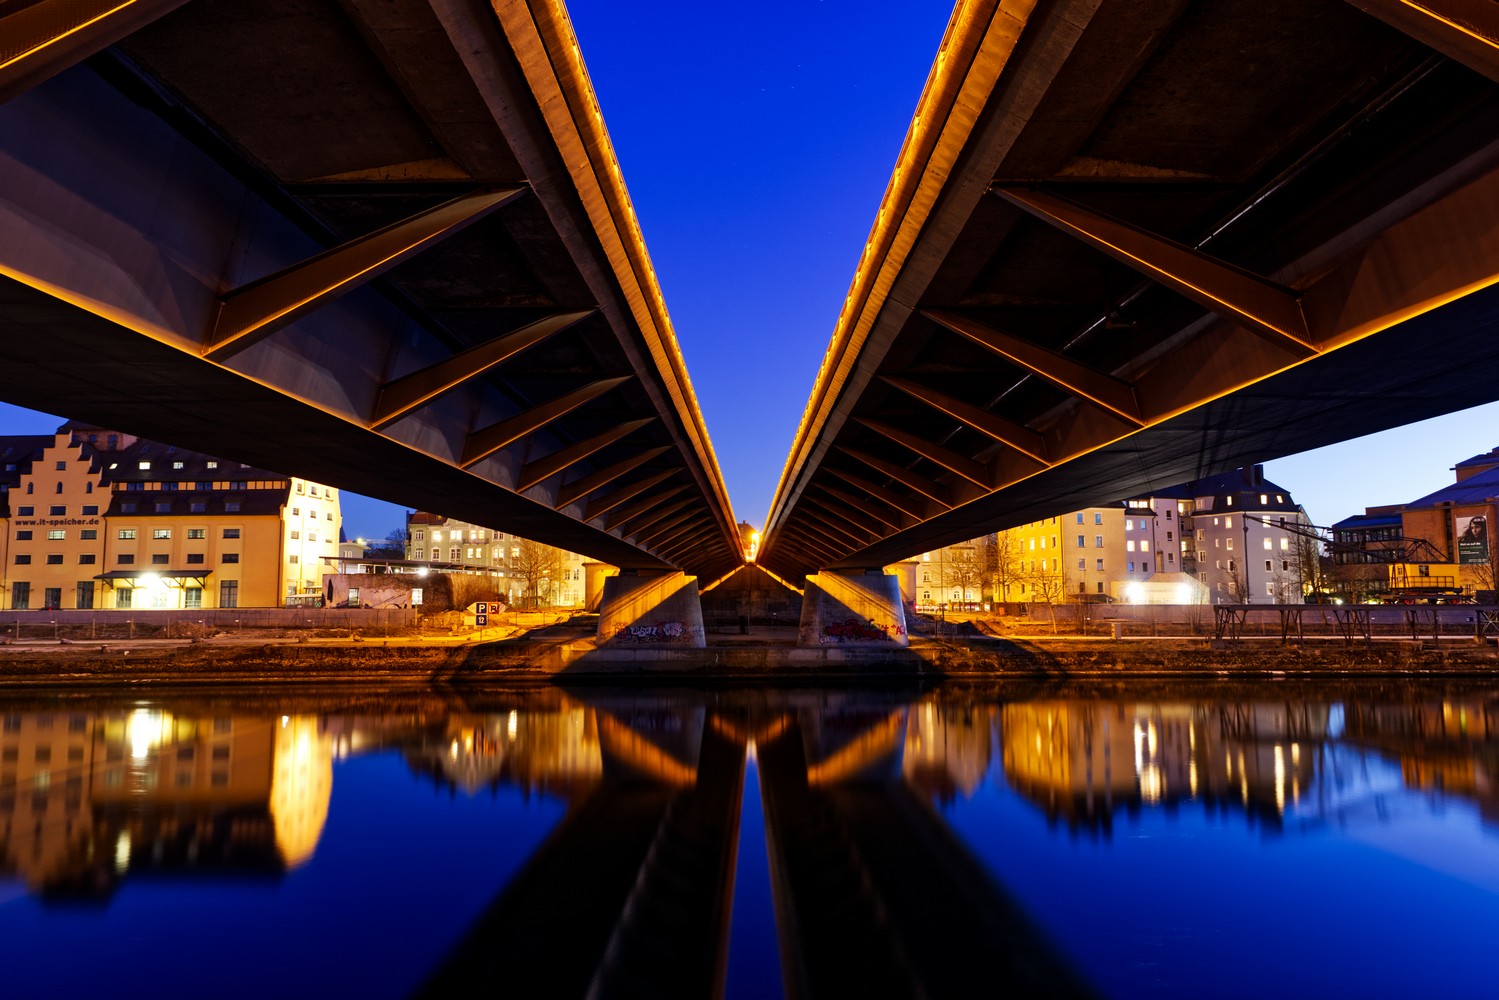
point(94, 518)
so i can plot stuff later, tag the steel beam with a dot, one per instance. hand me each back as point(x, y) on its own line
point(624, 513)
point(1075, 377)
point(598, 480)
point(1017, 436)
point(603, 505)
point(1464, 30)
point(681, 528)
point(976, 473)
point(544, 468)
point(677, 543)
point(399, 397)
point(42, 39)
point(909, 506)
point(1229, 291)
point(482, 444)
point(842, 515)
point(894, 521)
point(914, 480)
point(643, 519)
point(647, 534)
point(252, 312)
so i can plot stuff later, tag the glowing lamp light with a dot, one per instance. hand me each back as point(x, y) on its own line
point(1184, 594)
point(1134, 593)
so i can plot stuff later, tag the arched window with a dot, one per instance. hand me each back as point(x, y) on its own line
point(59, 488)
point(30, 487)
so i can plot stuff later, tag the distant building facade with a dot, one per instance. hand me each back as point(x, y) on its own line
point(1445, 540)
point(1217, 540)
point(94, 518)
point(516, 565)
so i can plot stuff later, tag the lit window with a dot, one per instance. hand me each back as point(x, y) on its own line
point(161, 532)
point(126, 534)
point(1267, 543)
point(1129, 545)
point(145, 465)
point(1100, 565)
point(176, 465)
point(56, 535)
point(1285, 543)
point(211, 465)
point(197, 532)
point(1264, 499)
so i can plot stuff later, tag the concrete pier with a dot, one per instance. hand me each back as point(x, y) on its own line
point(651, 610)
point(841, 609)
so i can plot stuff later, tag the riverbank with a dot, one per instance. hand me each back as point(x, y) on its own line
point(568, 654)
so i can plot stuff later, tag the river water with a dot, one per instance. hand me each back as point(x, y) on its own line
point(1161, 840)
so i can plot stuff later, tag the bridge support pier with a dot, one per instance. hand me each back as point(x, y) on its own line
point(651, 609)
point(852, 609)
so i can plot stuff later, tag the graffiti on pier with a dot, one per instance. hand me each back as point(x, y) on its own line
point(858, 630)
point(660, 632)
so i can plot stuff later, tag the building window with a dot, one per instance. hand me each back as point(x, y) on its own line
point(30, 488)
point(56, 534)
point(1097, 518)
point(294, 559)
point(1285, 543)
point(210, 465)
point(24, 535)
point(145, 465)
point(20, 595)
point(125, 559)
point(419, 535)
point(1079, 517)
point(87, 559)
point(57, 488)
point(123, 599)
point(231, 533)
point(197, 507)
point(296, 535)
point(161, 532)
point(452, 555)
point(195, 558)
point(54, 559)
point(1098, 541)
point(160, 559)
point(164, 508)
point(1270, 588)
point(57, 511)
point(1228, 544)
point(416, 553)
point(127, 508)
point(127, 534)
point(230, 557)
point(231, 506)
point(228, 593)
point(296, 512)
point(1129, 545)
point(1100, 586)
point(192, 597)
point(193, 533)
point(23, 559)
point(91, 510)
point(1268, 564)
point(312, 536)
point(1100, 565)
point(25, 511)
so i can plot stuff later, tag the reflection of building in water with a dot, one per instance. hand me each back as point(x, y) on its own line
point(948, 746)
point(84, 798)
point(541, 751)
point(1444, 747)
point(301, 786)
point(1080, 760)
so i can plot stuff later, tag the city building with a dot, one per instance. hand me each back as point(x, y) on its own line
point(94, 518)
point(523, 572)
point(954, 577)
point(1217, 540)
point(1441, 543)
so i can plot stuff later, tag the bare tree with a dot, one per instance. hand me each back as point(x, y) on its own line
point(1047, 583)
point(1238, 582)
point(469, 588)
point(539, 567)
point(1007, 569)
point(963, 570)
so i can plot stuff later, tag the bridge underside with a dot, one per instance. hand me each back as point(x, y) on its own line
point(1128, 245)
point(383, 245)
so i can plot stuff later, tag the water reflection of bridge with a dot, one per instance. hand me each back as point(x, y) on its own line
point(632, 891)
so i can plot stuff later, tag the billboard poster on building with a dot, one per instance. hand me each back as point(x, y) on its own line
point(1473, 540)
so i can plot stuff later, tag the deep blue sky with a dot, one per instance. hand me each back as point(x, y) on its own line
point(756, 141)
